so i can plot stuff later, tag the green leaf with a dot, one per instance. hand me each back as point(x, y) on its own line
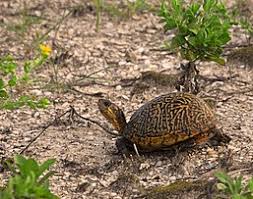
point(3, 94)
point(237, 196)
point(27, 67)
point(250, 185)
point(208, 4)
point(44, 179)
point(195, 8)
point(31, 104)
point(170, 23)
point(238, 185)
point(177, 41)
point(7, 65)
point(13, 81)
point(43, 103)
point(46, 165)
point(26, 166)
point(176, 5)
point(1, 84)
point(223, 177)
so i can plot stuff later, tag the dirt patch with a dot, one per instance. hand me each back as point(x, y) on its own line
point(87, 65)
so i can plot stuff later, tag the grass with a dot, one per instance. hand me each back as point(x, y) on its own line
point(121, 10)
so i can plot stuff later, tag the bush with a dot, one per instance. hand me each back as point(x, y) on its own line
point(29, 180)
point(202, 29)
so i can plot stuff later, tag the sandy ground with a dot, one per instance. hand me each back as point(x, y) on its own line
point(89, 65)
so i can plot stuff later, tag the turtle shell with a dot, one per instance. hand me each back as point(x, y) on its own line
point(169, 119)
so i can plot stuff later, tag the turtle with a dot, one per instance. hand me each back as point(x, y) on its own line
point(164, 121)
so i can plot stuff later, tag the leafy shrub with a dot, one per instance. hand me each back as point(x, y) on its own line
point(11, 80)
point(202, 29)
point(233, 187)
point(29, 180)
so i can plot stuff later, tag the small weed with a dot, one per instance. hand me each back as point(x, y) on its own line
point(29, 179)
point(135, 6)
point(242, 15)
point(23, 25)
point(24, 22)
point(121, 10)
point(98, 4)
point(233, 187)
point(11, 80)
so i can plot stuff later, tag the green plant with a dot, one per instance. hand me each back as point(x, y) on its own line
point(24, 22)
point(136, 6)
point(202, 28)
point(243, 16)
point(122, 10)
point(98, 4)
point(233, 187)
point(29, 180)
point(247, 25)
point(10, 79)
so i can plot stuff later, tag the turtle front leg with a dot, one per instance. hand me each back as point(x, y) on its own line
point(219, 137)
point(124, 146)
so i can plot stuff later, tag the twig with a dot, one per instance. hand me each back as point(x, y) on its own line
point(92, 121)
point(232, 46)
point(98, 71)
point(72, 112)
point(217, 78)
point(239, 92)
point(97, 94)
point(43, 130)
point(93, 82)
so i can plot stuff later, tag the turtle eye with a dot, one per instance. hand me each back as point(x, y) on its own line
point(104, 103)
point(107, 103)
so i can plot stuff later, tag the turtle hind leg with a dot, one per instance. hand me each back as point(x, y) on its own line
point(214, 137)
point(201, 138)
point(219, 137)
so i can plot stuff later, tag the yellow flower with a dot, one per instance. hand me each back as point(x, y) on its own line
point(45, 49)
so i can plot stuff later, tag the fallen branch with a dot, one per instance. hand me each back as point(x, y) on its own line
point(97, 94)
point(72, 113)
point(43, 130)
point(92, 121)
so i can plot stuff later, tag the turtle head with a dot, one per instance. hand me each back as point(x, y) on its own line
point(113, 114)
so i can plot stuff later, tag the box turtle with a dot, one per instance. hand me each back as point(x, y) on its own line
point(164, 121)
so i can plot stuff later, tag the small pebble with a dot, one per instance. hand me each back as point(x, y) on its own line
point(144, 166)
point(172, 178)
point(118, 88)
point(159, 163)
